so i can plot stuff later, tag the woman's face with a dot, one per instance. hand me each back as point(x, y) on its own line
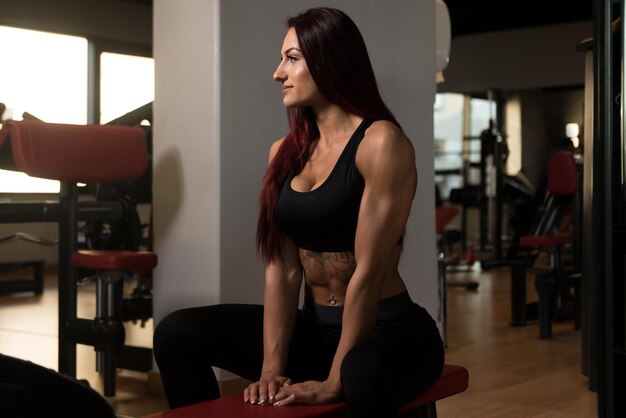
point(299, 89)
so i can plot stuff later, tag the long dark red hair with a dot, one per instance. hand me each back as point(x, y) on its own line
point(337, 58)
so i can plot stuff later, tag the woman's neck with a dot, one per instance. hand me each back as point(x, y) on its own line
point(334, 123)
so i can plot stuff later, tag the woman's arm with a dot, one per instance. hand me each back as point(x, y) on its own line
point(386, 161)
point(282, 290)
point(283, 278)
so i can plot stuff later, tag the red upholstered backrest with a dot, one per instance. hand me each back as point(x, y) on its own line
point(443, 216)
point(562, 178)
point(4, 135)
point(77, 153)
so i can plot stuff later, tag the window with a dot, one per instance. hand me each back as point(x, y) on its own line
point(45, 75)
point(448, 145)
point(126, 83)
point(458, 122)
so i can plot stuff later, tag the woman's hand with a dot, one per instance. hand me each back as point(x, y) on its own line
point(264, 391)
point(311, 392)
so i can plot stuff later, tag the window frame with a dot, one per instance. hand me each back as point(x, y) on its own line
point(95, 48)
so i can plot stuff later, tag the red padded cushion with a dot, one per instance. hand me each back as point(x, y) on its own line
point(4, 134)
point(234, 407)
point(77, 153)
point(453, 380)
point(443, 216)
point(114, 260)
point(540, 241)
point(562, 178)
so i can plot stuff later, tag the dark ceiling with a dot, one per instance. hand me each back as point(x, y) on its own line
point(477, 16)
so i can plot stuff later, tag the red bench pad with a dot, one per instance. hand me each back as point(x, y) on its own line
point(541, 241)
point(453, 380)
point(114, 260)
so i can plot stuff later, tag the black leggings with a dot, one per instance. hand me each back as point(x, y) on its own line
point(400, 359)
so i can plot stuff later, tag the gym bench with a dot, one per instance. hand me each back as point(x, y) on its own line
point(453, 380)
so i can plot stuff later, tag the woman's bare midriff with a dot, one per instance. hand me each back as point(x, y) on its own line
point(327, 275)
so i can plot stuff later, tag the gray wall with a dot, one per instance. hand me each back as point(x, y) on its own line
point(216, 113)
point(517, 59)
point(544, 116)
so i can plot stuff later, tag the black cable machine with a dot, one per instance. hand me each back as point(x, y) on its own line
point(493, 154)
point(604, 223)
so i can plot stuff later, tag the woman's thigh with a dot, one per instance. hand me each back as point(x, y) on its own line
point(228, 336)
point(395, 361)
point(312, 349)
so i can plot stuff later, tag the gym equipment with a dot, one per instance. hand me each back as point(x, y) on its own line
point(112, 222)
point(554, 283)
point(519, 195)
point(36, 283)
point(493, 153)
point(604, 220)
point(16, 286)
point(446, 237)
point(71, 154)
point(453, 380)
point(42, 212)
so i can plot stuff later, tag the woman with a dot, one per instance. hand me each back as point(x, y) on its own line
point(333, 208)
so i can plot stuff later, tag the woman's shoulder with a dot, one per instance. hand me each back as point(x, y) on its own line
point(275, 146)
point(385, 152)
point(385, 137)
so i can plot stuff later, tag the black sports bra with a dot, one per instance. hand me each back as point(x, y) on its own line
point(325, 219)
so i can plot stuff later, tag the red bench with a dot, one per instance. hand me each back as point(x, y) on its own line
point(453, 380)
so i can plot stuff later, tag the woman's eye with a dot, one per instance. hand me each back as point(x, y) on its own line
point(291, 58)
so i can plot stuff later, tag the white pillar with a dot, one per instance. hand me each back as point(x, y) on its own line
point(186, 141)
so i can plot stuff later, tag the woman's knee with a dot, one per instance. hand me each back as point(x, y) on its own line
point(199, 328)
point(173, 331)
point(366, 386)
point(361, 371)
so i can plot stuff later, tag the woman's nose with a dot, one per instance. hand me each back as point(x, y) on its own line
point(279, 74)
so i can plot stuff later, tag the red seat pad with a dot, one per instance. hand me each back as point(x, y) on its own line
point(541, 241)
point(114, 260)
point(453, 380)
point(443, 216)
point(77, 153)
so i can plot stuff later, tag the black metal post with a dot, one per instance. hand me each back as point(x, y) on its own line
point(51, 212)
point(498, 155)
point(67, 279)
point(484, 201)
point(518, 295)
point(603, 134)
